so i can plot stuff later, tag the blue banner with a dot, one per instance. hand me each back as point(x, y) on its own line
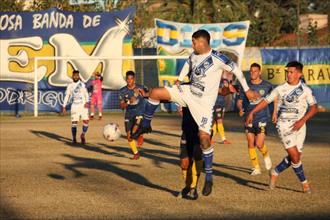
point(53, 32)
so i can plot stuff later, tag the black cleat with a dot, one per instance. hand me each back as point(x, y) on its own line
point(185, 191)
point(193, 195)
point(141, 130)
point(207, 189)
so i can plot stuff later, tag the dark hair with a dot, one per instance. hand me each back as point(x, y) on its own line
point(130, 73)
point(75, 71)
point(299, 66)
point(203, 34)
point(255, 65)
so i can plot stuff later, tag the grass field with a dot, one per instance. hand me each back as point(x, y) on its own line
point(44, 176)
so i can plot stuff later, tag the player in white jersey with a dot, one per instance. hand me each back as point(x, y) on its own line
point(204, 67)
point(294, 98)
point(79, 109)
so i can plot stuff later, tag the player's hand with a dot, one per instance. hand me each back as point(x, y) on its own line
point(63, 111)
point(132, 100)
point(241, 112)
point(141, 92)
point(249, 120)
point(297, 125)
point(252, 95)
point(274, 118)
point(232, 88)
point(178, 84)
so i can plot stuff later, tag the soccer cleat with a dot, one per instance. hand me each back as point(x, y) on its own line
point(193, 194)
point(83, 139)
point(74, 141)
point(255, 171)
point(184, 192)
point(273, 179)
point(306, 188)
point(135, 156)
point(268, 162)
point(140, 141)
point(91, 117)
point(225, 142)
point(100, 117)
point(207, 189)
point(141, 130)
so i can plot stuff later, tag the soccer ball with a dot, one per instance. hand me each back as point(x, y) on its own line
point(111, 132)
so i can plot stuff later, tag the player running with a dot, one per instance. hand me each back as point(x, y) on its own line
point(79, 108)
point(206, 67)
point(131, 99)
point(257, 131)
point(294, 98)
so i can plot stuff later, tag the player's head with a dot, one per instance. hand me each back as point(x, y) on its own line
point(294, 72)
point(255, 71)
point(75, 76)
point(201, 41)
point(130, 78)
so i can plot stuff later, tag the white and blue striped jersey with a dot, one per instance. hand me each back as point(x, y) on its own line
point(77, 92)
point(293, 101)
point(205, 73)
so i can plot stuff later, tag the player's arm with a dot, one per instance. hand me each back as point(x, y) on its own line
point(184, 72)
point(232, 67)
point(123, 103)
point(86, 97)
point(66, 99)
point(263, 104)
point(274, 116)
point(239, 105)
point(224, 90)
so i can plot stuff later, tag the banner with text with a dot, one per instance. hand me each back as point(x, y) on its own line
point(53, 32)
point(175, 39)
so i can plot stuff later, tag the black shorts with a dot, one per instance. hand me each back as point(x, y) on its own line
point(257, 128)
point(218, 113)
point(130, 122)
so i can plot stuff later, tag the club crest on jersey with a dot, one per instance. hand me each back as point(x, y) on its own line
point(294, 95)
point(204, 66)
point(262, 92)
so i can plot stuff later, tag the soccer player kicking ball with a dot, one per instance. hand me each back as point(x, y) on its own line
point(294, 97)
point(205, 67)
point(79, 108)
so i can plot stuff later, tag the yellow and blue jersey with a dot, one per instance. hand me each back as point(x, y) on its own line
point(136, 108)
point(263, 88)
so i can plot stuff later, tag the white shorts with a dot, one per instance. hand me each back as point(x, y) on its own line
point(79, 111)
point(291, 138)
point(203, 114)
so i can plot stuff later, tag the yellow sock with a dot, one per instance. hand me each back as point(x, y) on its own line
point(196, 170)
point(254, 158)
point(264, 151)
point(132, 144)
point(221, 131)
point(184, 174)
point(214, 129)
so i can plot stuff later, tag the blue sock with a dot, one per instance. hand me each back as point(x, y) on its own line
point(85, 128)
point(149, 111)
point(208, 161)
point(285, 163)
point(74, 131)
point(298, 169)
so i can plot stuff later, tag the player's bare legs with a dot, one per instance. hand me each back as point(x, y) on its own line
point(207, 149)
point(155, 96)
point(84, 130)
point(260, 144)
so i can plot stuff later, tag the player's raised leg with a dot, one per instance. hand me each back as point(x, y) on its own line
point(155, 96)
